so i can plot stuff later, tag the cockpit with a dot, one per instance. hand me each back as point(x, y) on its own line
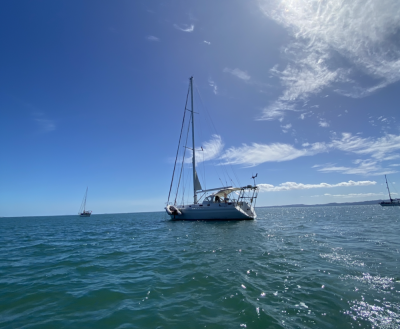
point(216, 199)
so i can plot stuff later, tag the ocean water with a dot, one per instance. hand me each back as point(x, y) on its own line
point(323, 267)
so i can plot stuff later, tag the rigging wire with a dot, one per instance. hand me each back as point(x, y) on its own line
point(183, 160)
point(177, 151)
point(216, 132)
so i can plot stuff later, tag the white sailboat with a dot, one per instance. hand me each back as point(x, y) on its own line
point(226, 203)
point(392, 202)
point(82, 211)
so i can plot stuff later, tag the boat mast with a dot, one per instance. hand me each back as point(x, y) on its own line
point(390, 197)
point(84, 204)
point(194, 156)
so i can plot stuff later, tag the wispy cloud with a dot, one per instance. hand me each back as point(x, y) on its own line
point(355, 195)
point(255, 154)
point(286, 128)
point(362, 167)
point(277, 111)
point(207, 42)
point(323, 123)
point(238, 73)
point(45, 125)
point(152, 38)
point(334, 42)
point(288, 186)
point(379, 149)
point(185, 28)
point(208, 151)
point(213, 85)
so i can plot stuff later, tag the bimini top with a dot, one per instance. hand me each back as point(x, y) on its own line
point(226, 191)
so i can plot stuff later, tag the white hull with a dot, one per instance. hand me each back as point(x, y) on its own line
point(215, 211)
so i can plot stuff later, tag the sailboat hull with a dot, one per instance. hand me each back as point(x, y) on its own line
point(390, 204)
point(85, 215)
point(215, 211)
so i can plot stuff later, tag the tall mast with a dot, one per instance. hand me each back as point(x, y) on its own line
point(194, 153)
point(390, 197)
point(84, 204)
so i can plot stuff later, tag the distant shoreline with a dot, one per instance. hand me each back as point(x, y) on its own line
point(361, 203)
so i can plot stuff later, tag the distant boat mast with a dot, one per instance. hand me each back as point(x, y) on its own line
point(390, 197)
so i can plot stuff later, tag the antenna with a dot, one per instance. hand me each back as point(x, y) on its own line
point(254, 179)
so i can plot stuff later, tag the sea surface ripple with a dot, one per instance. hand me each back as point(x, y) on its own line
point(320, 267)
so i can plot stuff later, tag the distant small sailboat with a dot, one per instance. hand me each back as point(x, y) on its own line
point(392, 202)
point(82, 211)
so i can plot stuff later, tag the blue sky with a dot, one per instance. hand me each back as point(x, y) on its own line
point(304, 93)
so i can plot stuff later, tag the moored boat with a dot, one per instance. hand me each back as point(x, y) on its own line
point(392, 202)
point(226, 203)
point(82, 211)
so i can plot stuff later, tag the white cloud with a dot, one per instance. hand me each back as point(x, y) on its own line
point(152, 38)
point(335, 42)
point(277, 111)
point(354, 195)
point(255, 154)
point(186, 28)
point(238, 73)
point(286, 128)
point(211, 149)
point(46, 125)
point(207, 42)
point(323, 123)
point(380, 149)
point(208, 151)
point(213, 85)
point(288, 186)
point(365, 167)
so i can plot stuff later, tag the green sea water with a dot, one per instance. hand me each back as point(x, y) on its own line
point(323, 267)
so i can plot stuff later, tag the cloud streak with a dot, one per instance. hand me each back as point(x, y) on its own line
point(354, 195)
point(238, 73)
point(152, 38)
point(335, 42)
point(362, 167)
point(185, 28)
point(46, 125)
point(379, 149)
point(209, 150)
point(289, 186)
point(213, 85)
point(255, 154)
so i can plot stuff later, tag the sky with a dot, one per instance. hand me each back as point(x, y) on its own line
point(304, 93)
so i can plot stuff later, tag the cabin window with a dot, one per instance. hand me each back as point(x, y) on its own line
point(229, 203)
point(200, 205)
point(208, 205)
